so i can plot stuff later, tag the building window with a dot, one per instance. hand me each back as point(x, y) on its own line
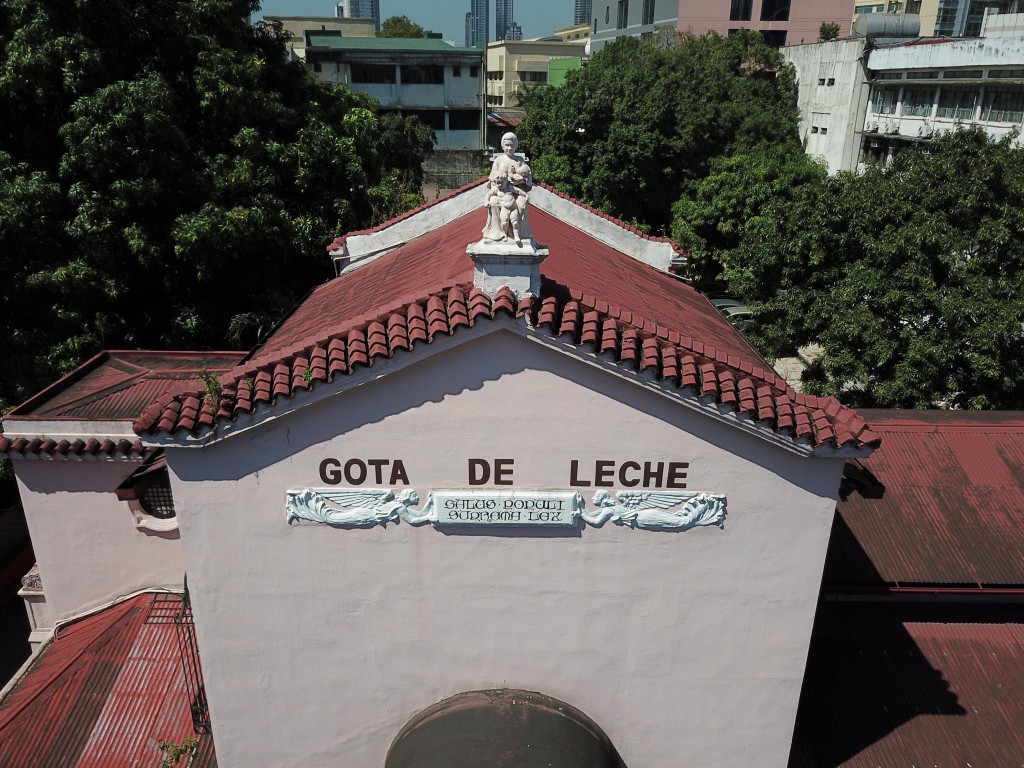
point(888, 76)
point(422, 74)
point(533, 77)
point(622, 19)
point(957, 104)
point(1006, 73)
point(963, 74)
point(373, 73)
point(1003, 105)
point(740, 10)
point(464, 120)
point(432, 117)
point(474, 71)
point(147, 492)
point(774, 38)
point(493, 74)
point(922, 75)
point(775, 10)
point(456, 71)
point(883, 101)
point(917, 102)
point(607, 13)
point(647, 15)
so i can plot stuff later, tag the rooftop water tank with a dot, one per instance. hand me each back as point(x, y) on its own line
point(887, 25)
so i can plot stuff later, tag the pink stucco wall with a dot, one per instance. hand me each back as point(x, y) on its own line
point(318, 644)
point(85, 541)
point(805, 17)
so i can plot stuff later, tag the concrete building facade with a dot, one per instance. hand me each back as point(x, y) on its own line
point(515, 66)
point(862, 106)
point(439, 83)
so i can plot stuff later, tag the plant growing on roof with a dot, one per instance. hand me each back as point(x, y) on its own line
point(214, 389)
point(174, 754)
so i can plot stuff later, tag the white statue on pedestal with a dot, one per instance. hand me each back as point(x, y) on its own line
point(508, 195)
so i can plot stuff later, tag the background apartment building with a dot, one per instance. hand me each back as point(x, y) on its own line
point(782, 22)
point(516, 66)
point(439, 83)
point(859, 107)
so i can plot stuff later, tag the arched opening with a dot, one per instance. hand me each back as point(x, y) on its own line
point(504, 728)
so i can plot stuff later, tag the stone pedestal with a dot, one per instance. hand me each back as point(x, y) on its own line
point(498, 264)
point(40, 615)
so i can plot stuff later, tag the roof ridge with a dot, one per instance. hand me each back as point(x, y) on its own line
point(608, 217)
point(340, 239)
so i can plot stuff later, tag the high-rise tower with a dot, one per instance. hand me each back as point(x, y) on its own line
point(582, 14)
point(477, 21)
point(503, 21)
point(359, 9)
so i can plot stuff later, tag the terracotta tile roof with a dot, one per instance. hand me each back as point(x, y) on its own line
point(112, 386)
point(912, 685)
point(592, 295)
point(103, 693)
point(124, 449)
point(940, 503)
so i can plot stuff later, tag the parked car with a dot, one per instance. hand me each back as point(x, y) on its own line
point(741, 316)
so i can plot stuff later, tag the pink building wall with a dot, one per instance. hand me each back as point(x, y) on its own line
point(805, 17)
point(320, 644)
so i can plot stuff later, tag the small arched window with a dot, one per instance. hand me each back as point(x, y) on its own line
point(147, 492)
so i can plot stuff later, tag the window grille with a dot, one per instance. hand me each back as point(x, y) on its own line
point(957, 104)
point(199, 707)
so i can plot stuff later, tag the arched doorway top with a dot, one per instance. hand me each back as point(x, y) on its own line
point(503, 728)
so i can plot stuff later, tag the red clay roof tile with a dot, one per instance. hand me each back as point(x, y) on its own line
point(591, 294)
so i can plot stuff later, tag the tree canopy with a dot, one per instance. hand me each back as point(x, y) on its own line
point(634, 129)
point(168, 178)
point(909, 276)
point(401, 26)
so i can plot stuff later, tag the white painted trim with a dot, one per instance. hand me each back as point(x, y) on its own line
point(360, 250)
point(68, 430)
point(264, 413)
point(657, 254)
point(43, 642)
point(61, 623)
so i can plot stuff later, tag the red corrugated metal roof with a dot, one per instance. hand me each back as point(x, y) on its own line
point(591, 293)
point(102, 694)
point(906, 685)
point(941, 502)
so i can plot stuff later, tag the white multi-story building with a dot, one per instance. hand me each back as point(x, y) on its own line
point(863, 106)
point(439, 83)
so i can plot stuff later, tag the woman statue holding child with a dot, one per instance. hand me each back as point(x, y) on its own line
point(508, 195)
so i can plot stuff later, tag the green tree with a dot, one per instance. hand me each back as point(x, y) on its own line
point(829, 30)
point(400, 26)
point(168, 178)
point(909, 276)
point(632, 130)
point(719, 212)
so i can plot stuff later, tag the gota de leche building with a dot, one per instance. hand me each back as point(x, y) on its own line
point(539, 502)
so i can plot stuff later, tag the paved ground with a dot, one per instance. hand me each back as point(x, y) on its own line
point(790, 368)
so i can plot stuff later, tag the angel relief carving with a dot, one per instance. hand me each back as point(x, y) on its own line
point(356, 507)
point(655, 509)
